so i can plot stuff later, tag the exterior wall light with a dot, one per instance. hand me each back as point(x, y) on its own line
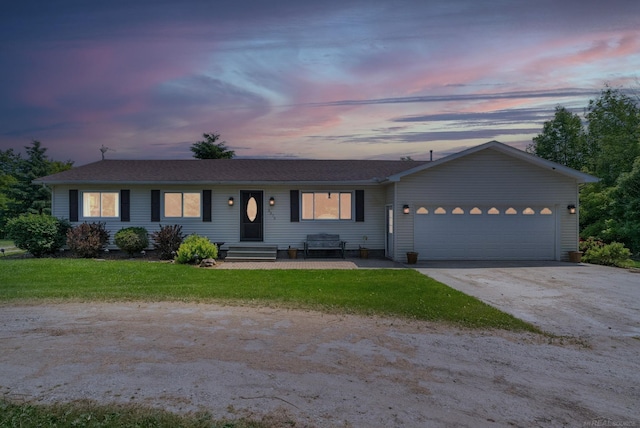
point(405, 209)
point(230, 201)
point(272, 201)
point(571, 208)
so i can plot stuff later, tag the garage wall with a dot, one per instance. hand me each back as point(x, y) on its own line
point(487, 177)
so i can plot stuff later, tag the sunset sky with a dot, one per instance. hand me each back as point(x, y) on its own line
point(326, 79)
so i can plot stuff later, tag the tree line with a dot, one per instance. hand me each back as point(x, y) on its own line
point(605, 144)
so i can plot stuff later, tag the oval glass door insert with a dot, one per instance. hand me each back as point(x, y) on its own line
point(252, 209)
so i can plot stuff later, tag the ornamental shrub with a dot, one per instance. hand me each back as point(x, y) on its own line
point(87, 239)
point(195, 248)
point(167, 241)
point(39, 234)
point(131, 240)
point(613, 254)
point(590, 244)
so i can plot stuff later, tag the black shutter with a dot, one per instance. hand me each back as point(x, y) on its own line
point(206, 205)
point(295, 205)
point(125, 205)
point(155, 205)
point(359, 205)
point(73, 205)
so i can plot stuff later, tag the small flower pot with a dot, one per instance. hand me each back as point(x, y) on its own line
point(575, 256)
point(412, 257)
point(293, 253)
point(364, 253)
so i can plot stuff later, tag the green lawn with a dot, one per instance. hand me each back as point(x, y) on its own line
point(9, 248)
point(90, 414)
point(390, 292)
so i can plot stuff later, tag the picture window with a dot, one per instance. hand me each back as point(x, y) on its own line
point(327, 205)
point(182, 204)
point(101, 204)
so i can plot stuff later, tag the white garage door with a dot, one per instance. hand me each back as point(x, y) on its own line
point(485, 233)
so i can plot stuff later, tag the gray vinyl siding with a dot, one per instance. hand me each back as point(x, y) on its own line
point(280, 231)
point(225, 224)
point(482, 178)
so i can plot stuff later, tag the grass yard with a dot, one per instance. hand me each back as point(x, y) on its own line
point(9, 248)
point(388, 292)
point(89, 414)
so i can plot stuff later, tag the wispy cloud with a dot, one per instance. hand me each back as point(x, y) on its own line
point(355, 78)
point(557, 93)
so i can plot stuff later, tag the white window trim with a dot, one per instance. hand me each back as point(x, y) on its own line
point(181, 193)
point(100, 217)
point(336, 192)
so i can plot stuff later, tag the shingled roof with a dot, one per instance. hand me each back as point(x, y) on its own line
point(227, 171)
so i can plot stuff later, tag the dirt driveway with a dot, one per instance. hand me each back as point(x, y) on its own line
point(315, 369)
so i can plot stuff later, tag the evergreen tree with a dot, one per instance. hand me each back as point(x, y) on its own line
point(26, 197)
point(209, 149)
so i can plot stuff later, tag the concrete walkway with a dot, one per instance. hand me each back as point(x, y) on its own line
point(315, 264)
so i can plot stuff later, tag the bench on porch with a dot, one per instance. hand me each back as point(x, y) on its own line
point(324, 242)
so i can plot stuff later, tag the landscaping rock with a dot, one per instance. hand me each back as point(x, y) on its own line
point(206, 263)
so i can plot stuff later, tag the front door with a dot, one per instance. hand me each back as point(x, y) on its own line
point(251, 226)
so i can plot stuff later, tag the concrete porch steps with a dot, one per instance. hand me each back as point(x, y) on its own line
point(251, 253)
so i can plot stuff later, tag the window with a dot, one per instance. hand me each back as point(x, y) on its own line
point(457, 211)
point(493, 211)
point(100, 204)
point(528, 211)
point(475, 211)
point(511, 211)
point(546, 211)
point(326, 205)
point(422, 211)
point(178, 204)
point(440, 210)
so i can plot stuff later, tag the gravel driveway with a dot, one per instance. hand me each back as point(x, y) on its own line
point(307, 369)
point(561, 298)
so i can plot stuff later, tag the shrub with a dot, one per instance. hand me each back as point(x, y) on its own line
point(167, 241)
point(613, 254)
point(590, 244)
point(131, 239)
point(196, 248)
point(39, 234)
point(87, 239)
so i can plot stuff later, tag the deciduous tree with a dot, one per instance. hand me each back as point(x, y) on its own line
point(613, 138)
point(562, 140)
